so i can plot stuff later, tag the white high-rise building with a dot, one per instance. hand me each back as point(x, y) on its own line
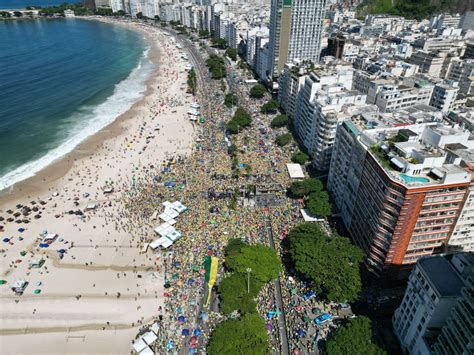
point(117, 5)
point(434, 288)
point(296, 28)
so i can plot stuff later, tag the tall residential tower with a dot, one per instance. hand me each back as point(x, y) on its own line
point(296, 27)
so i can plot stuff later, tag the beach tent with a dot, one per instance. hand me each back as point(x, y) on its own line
point(155, 327)
point(158, 243)
point(154, 216)
point(179, 207)
point(149, 337)
point(170, 211)
point(166, 243)
point(147, 351)
point(167, 218)
point(173, 236)
point(91, 206)
point(139, 345)
point(166, 203)
point(164, 229)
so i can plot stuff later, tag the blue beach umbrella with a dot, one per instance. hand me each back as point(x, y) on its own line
point(197, 332)
point(21, 230)
point(181, 319)
point(185, 332)
point(6, 240)
point(190, 281)
point(301, 333)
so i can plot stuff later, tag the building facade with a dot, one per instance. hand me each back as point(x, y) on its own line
point(396, 196)
point(295, 32)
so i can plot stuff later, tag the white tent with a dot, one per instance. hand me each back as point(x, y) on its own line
point(166, 243)
point(166, 217)
point(146, 351)
point(179, 207)
point(149, 337)
point(166, 203)
point(164, 229)
point(170, 211)
point(155, 327)
point(308, 217)
point(175, 235)
point(295, 171)
point(139, 345)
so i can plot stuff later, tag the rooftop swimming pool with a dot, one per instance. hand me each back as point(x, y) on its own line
point(411, 179)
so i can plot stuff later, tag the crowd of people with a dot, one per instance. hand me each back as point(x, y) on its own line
point(205, 182)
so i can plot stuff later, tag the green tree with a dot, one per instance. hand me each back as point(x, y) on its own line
point(246, 335)
point(257, 91)
point(270, 107)
point(219, 42)
point(203, 34)
point(300, 157)
point(305, 187)
point(234, 290)
point(5, 14)
point(240, 120)
point(139, 15)
point(234, 245)
point(318, 204)
point(279, 121)
point(262, 260)
point(331, 263)
point(17, 14)
point(230, 100)
point(355, 337)
point(283, 139)
point(216, 66)
point(231, 53)
point(192, 81)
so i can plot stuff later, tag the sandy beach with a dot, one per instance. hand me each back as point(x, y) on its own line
point(94, 296)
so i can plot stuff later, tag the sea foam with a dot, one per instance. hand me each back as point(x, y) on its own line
point(90, 120)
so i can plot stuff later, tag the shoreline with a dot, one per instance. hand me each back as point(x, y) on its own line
point(102, 287)
point(60, 167)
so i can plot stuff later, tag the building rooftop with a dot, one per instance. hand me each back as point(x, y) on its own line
point(442, 276)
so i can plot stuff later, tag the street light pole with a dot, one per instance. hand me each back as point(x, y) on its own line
point(249, 270)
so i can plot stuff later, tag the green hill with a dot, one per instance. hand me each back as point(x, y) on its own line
point(414, 9)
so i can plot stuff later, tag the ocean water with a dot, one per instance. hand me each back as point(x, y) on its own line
point(60, 82)
point(19, 4)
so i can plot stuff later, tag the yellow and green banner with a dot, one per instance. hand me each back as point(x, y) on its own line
point(210, 265)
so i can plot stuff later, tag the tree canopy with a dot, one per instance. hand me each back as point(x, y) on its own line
point(305, 187)
point(219, 42)
point(257, 91)
point(231, 53)
point(331, 263)
point(192, 81)
point(279, 121)
point(234, 293)
point(240, 120)
point(230, 100)
point(271, 106)
point(355, 337)
point(262, 260)
point(300, 157)
point(283, 139)
point(246, 335)
point(216, 66)
point(318, 204)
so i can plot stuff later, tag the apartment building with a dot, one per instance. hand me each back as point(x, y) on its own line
point(391, 95)
point(444, 96)
point(430, 63)
point(296, 28)
point(397, 194)
point(321, 103)
point(462, 71)
point(290, 83)
point(435, 303)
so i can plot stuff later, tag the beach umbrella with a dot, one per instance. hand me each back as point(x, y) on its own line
point(181, 319)
point(307, 319)
point(193, 340)
point(3, 282)
point(170, 345)
point(177, 264)
point(179, 310)
point(301, 333)
point(37, 291)
point(190, 281)
point(21, 230)
point(185, 332)
point(6, 240)
point(167, 285)
point(316, 310)
point(17, 261)
point(61, 251)
point(166, 294)
point(20, 238)
point(22, 253)
point(197, 332)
